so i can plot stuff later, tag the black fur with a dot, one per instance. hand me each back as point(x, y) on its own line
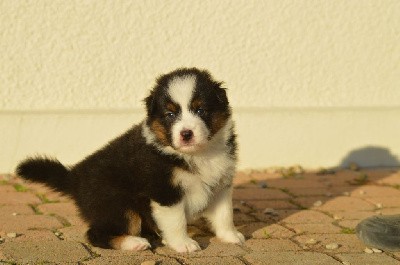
point(127, 173)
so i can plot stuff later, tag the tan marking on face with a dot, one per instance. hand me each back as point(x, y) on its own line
point(160, 132)
point(196, 103)
point(135, 223)
point(218, 121)
point(172, 107)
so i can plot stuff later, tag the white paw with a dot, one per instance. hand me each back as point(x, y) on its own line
point(231, 236)
point(134, 243)
point(185, 246)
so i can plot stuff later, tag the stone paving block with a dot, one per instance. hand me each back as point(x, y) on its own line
point(278, 204)
point(4, 189)
point(74, 233)
point(132, 258)
point(259, 194)
point(396, 254)
point(241, 218)
point(290, 257)
point(349, 223)
point(322, 192)
point(239, 207)
point(248, 229)
point(264, 231)
point(211, 261)
point(370, 259)
point(112, 253)
point(352, 215)
point(47, 192)
point(388, 211)
point(368, 191)
point(210, 248)
point(15, 198)
point(385, 202)
point(308, 182)
point(348, 243)
point(18, 209)
point(311, 202)
point(315, 228)
point(308, 217)
point(21, 223)
point(34, 235)
point(392, 178)
point(279, 214)
point(62, 209)
point(344, 203)
point(275, 245)
point(44, 251)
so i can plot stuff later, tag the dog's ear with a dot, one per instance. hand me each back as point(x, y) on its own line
point(149, 101)
point(221, 94)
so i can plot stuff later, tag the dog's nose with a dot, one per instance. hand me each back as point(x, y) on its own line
point(186, 135)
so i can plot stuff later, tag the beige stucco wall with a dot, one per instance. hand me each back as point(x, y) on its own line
point(297, 71)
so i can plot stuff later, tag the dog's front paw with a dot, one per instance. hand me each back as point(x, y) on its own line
point(232, 236)
point(184, 246)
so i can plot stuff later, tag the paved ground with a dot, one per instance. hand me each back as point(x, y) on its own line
point(288, 217)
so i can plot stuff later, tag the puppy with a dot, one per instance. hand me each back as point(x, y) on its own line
point(172, 168)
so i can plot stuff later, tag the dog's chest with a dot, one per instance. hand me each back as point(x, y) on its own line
point(211, 175)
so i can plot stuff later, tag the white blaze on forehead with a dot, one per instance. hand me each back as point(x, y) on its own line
point(181, 89)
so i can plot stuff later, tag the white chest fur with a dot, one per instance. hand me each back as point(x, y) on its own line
point(213, 171)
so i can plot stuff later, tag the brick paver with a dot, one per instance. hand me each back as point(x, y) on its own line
point(287, 217)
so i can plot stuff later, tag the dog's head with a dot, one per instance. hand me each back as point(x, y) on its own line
point(186, 109)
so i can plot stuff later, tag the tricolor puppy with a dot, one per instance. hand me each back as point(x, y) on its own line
point(175, 166)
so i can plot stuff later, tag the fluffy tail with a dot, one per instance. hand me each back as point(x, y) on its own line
point(48, 171)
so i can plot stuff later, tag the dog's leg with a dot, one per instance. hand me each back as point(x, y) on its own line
point(220, 215)
point(171, 220)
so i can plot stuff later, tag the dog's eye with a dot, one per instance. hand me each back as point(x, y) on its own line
point(170, 115)
point(200, 111)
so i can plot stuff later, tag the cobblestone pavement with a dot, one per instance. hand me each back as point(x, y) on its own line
point(288, 217)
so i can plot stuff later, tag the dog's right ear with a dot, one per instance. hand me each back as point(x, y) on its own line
point(149, 101)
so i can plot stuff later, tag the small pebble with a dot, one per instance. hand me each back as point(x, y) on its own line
point(2, 240)
point(270, 211)
point(332, 246)
point(311, 241)
point(57, 233)
point(346, 263)
point(337, 217)
point(12, 235)
point(375, 250)
point(368, 250)
point(14, 214)
point(148, 262)
point(362, 192)
point(317, 203)
point(379, 205)
point(263, 185)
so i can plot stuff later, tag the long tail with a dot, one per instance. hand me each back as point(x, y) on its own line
point(48, 171)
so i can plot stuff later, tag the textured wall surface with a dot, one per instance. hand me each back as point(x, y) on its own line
point(279, 59)
point(105, 54)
